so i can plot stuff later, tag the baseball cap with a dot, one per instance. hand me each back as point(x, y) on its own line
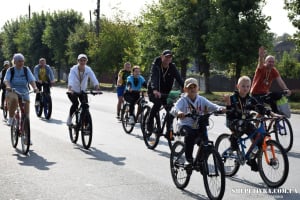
point(190, 81)
point(167, 52)
point(6, 63)
point(81, 56)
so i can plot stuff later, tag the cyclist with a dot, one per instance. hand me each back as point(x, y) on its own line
point(238, 108)
point(132, 93)
point(191, 102)
point(121, 84)
point(6, 65)
point(43, 73)
point(18, 77)
point(265, 73)
point(163, 73)
point(78, 81)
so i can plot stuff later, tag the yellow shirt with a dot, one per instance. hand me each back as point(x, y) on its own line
point(43, 75)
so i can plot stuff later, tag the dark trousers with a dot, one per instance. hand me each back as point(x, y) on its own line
point(131, 98)
point(271, 101)
point(190, 139)
point(157, 103)
point(75, 98)
point(46, 89)
point(3, 96)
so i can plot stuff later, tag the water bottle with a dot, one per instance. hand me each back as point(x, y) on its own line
point(253, 153)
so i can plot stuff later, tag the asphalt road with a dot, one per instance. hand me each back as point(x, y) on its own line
point(118, 165)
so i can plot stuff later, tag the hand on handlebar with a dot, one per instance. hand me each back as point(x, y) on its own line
point(157, 94)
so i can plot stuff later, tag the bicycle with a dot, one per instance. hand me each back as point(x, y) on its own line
point(280, 126)
point(151, 139)
point(272, 159)
point(207, 161)
point(82, 121)
point(45, 101)
point(5, 109)
point(143, 108)
point(20, 126)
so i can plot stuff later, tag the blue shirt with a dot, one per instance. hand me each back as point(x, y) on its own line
point(130, 79)
point(19, 81)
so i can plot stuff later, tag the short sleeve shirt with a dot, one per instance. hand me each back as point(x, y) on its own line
point(263, 79)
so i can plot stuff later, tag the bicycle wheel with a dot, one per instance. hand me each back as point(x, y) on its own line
point(180, 175)
point(47, 106)
point(14, 133)
point(213, 174)
point(145, 110)
point(38, 107)
point(25, 136)
point(229, 157)
point(284, 133)
point(273, 164)
point(5, 109)
point(125, 119)
point(86, 129)
point(73, 129)
point(151, 139)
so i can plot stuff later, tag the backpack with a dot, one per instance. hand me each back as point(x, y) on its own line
point(12, 73)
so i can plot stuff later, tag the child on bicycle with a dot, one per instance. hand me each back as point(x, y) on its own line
point(191, 102)
point(238, 108)
point(132, 92)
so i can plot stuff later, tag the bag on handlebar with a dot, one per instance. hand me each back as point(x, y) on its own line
point(173, 96)
point(284, 107)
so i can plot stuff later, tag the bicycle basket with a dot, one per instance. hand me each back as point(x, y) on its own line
point(284, 107)
point(173, 96)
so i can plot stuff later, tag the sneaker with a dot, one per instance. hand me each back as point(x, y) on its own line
point(37, 103)
point(9, 121)
point(131, 120)
point(253, 164)
point(118, 116)
point(69, 121)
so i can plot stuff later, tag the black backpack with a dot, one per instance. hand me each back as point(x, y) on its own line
point(12, 72)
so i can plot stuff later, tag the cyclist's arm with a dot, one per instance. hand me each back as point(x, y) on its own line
point(178, 78)
point(283, 86)
point(94, 79)
point(51, 74)
point(261, 57)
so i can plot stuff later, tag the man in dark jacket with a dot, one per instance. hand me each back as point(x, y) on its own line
point(163, 73)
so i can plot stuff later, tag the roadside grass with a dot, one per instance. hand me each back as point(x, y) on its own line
point(215, 96)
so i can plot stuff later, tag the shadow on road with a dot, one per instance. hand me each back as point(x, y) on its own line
point(293, 154)
point(102, 156)
point(34, 160)
point(53, 121)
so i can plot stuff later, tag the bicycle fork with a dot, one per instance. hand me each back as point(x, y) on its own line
point(264, 149)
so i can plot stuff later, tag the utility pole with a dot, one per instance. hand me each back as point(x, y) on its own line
point(97, 13)
point(29, 12)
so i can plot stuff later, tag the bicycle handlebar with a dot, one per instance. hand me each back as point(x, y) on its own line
point(93, 92)
point(206, 115)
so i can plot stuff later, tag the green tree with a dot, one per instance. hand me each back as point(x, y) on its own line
point(288, 67)
point(293, 8)
point(237, 30)
point(58, 28)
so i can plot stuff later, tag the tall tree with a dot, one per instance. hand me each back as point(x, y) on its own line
point(238, 28)
point(58, 28)
point(293, 8)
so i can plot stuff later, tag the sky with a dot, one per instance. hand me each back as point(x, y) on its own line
point(15, 8)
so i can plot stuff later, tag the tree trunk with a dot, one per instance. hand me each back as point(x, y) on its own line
point(183, 69)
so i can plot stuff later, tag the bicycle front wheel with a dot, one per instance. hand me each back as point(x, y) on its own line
point(273, 164)
point(180, 174)
point(73, 129)
point(14, 133)
point(213, 174)
point(125, 119)
point(86, 129)
point(47, 106)
point(5, 109)
point(284, 133)
point(145, 111)
point(25, 136)
point(151, 139)
point(38, 108)
point(229, 157)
